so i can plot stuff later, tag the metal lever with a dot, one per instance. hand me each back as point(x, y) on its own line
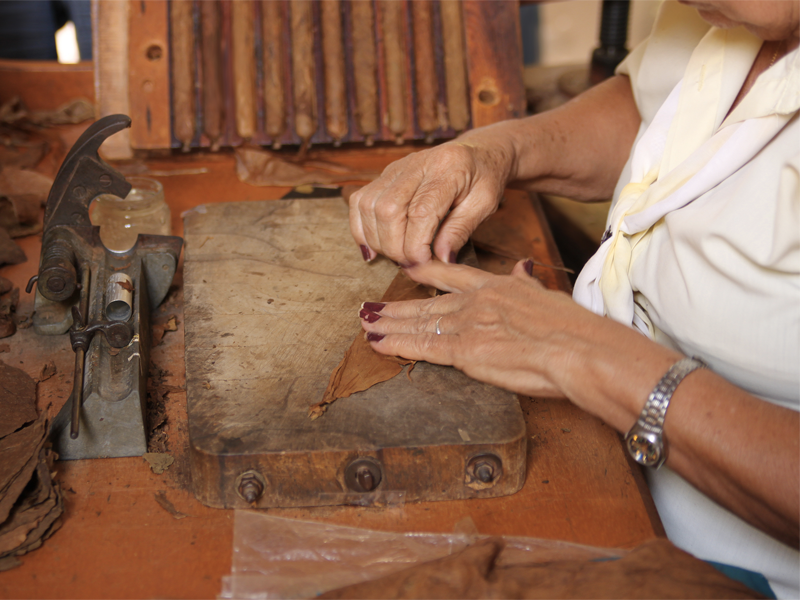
point(117, 333)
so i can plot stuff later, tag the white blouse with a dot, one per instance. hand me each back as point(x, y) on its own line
point(717, 274)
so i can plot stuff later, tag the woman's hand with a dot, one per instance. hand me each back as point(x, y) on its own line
point(499, 329)
point(444, 192)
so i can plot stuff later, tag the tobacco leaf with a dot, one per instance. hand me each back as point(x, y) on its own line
point(158, 461)
point(163, 502)
point(20, 452)
point(48, 370)
point(10, 253)
point(362, 367)
point(656, 569)
point(262, 167)
point(36, 512)
point(18, 407)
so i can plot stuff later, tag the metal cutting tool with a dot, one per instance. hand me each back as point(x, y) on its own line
point(103, 299)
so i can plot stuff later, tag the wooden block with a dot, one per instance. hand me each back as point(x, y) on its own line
point(110, 49)
point(303, 70)
point(494, 60)
point(425, 66)
point(272, 294)
point(184, 122)
point(455, 64)
point(210, 55)
point(333, 61)
point(148, 78)
point(244, 66)
point(365, 68)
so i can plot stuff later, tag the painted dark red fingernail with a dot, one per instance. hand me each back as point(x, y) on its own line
point(375, 307)
point(368, 316)
point(374, 337)
point(453, 257)
point(365, 252)
point(528, 266)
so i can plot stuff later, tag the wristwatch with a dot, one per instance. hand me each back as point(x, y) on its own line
point(645, 441)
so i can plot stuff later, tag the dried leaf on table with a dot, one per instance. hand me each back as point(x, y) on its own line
point(163, 502)
point(262, 167)
point(22, 153)
point(656, 569)
point(20, 215)
point(362, 367)
point(158, 461)
point(19, 182)
point(36, 513)
point(72, 112)
point(10, 253)
point(48, 370)
point(18, 407)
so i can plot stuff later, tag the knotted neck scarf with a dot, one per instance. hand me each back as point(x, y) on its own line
point(688, 149)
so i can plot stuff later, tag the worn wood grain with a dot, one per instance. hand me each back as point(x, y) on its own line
point(210, 52)
point(244, 65)
point(427, 91)
point(494, 57)
point(182, 57)
point(272, 16)
point(303, 70)
point(364, 69)
point(281, 308)
point(148, 77)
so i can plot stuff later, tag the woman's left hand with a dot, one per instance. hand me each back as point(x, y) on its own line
point(498, 329)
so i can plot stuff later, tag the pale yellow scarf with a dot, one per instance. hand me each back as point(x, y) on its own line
point(689, 148)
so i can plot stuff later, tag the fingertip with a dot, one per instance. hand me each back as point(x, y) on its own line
point(523, 268)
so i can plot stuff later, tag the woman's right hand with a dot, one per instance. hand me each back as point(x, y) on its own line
point(437, 196)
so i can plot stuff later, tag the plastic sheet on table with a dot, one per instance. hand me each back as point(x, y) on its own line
point(274, 557)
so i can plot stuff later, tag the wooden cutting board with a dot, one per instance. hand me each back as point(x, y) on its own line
point(272, 292)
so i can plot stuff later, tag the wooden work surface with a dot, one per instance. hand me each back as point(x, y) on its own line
point(118, 541)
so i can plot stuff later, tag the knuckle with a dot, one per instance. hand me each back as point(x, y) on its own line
point(422, 209)
point(387, 210)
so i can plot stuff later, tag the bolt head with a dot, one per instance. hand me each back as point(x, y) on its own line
point(56, 284)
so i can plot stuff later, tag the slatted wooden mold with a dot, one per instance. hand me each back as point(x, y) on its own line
point(211, 73)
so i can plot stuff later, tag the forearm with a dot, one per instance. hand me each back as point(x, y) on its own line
point(737, 449)
point(577, 150)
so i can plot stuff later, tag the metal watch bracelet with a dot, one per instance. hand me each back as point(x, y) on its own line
point(645, 441)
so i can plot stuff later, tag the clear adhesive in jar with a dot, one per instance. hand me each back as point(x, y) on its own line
point(121, 220)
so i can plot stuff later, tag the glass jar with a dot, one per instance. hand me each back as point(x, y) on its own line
point(121, 220)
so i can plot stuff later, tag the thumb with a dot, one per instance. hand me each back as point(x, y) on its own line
point(458, 225)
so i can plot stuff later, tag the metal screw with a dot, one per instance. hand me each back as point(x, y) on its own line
point(486, 468)
point(365, 478)
point(363, 475)
point(484, 471)
point(105, 180)
point(250, 486)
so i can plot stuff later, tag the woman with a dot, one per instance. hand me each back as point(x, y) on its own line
point(698, 141)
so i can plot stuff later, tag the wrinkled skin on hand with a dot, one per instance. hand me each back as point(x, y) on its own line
point(505, 330)
point(449, 189)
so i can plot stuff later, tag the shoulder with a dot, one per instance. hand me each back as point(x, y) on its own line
point(658, 63)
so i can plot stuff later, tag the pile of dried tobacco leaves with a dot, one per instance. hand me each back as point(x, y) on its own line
point(30, 501)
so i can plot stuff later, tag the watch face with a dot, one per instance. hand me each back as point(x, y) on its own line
point(644, 451)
